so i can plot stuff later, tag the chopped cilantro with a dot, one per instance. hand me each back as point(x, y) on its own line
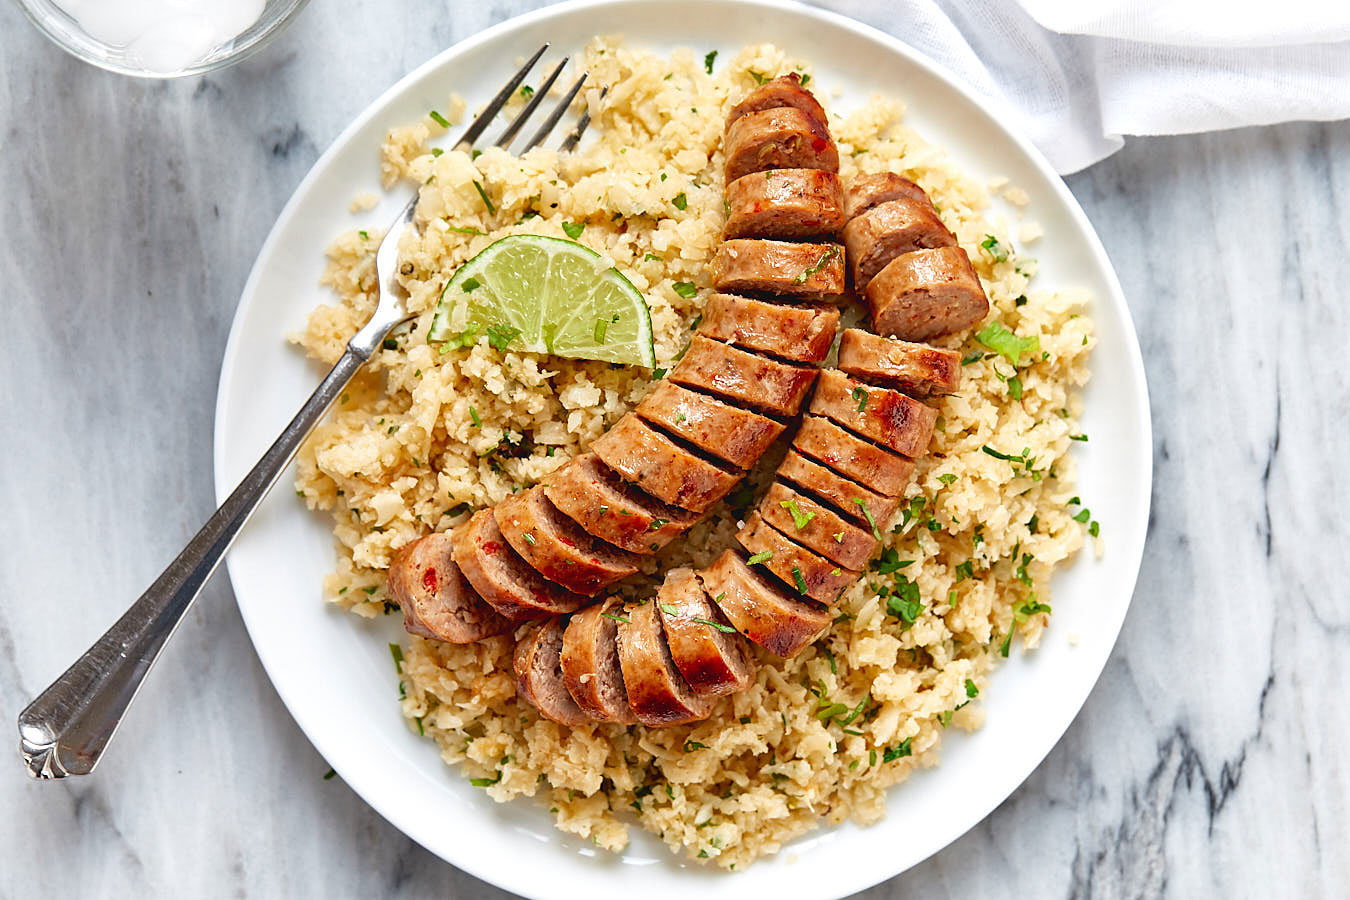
point(573, 229)
point(1006, 344)
point(902, 749)
point(500, 336)
point(691, 745)
point(668, 609)
point(876, 532)
point(618, 618)
point(487, 201)
point(797, 577)
point(718, 625)
point(473, 414)
point(681, 201)
point(995, 249)
point(799, 518)
point(397, 653)
point(904, 603)
point(971, 690)
point(758, 558)
point(861, 396)
point(830, 253)
point(708, 61)
point(685, 289)
point(439, 119)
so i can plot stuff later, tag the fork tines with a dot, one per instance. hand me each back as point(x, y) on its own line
point(494, 106)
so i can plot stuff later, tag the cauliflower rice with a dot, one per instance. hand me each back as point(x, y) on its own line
point(428, 433)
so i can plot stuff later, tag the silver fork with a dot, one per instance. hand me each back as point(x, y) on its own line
point(66, 729)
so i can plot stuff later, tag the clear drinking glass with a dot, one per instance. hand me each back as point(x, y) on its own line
point(58, 25)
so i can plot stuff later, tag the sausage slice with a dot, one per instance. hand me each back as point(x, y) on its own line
point(926, 294)
point(780, 138)
point(785, 90)
point(919, 370)
point(867, 191)
point(436, 600)
point(842, 493)
point(502, 578)
point(862, 461)
point(657, 692)
point(662, 468)
point(818, 527)
point(797, 333)
point(592, 494)
point(785, 203)
point(590, 662)
point(778, 267)
point(887, 230)
point(807, 573)
point(539, 677)
point(558, 548)
point(709, 653)
point(761, 610)
point(743, 377)
point(879, 414)
point(727, 432)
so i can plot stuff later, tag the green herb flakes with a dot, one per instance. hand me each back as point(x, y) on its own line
point(1008, 345)
point(573, 229)
point(439, 119)
point(799, 518)
point(994, 248)
point(685, 289)
point(681, 201)
point(708, 60)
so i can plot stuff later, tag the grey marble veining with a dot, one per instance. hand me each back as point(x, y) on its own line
point(1209, 761)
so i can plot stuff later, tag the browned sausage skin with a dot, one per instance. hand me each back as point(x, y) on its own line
point(590, 663)
point(662, 468)
point(436, 600)
point(779, 138)
point(730, 433)
point(795, 333)
point(594, 496)
point(558, 548)
point(927, 294)
point(760, 609)
point(804, 571)
point(862, 461)
point(657, 692)
point(502, 578)
point(783, 91)
point(785, 203)
point(817, 527)
point(810, 271)
point(916, 369)
point(879, 414)
point(744, 378)
point(888, 230)
point(539, 676)
point(843, 494)
point(867, 191)
point(712, 661)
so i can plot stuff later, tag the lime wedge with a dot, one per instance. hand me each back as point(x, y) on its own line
point(547, 295)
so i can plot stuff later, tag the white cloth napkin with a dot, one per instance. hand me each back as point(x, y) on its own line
point(1084, 73)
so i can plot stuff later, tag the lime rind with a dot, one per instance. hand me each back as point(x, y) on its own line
point(555, 292)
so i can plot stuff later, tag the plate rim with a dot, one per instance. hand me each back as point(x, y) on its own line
point(997, 113)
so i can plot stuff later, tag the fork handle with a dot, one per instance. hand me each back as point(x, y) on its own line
point(67, 728)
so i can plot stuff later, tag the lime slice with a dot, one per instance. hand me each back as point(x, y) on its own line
point(547, 295)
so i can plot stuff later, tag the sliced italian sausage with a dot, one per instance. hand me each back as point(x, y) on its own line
point(760, 609)
point(779, 267)
point(867, 191)
point(662, 468)
point(887, 230)
point(502, 578)
point(558, 548)
point(780, 138)
point(539, 677)
point(593, 495)
point(820, 481)
point(657, 692)
point(797, 333)
point(926, 294)
point(919, 370)
point(862, 461)
point(808, 573)
point(590, 662)
point(729, 433)
point(879, 414)
point(744, 378)
point(709, 653)
point(785, 203)
point(436, 600)
point(783, 91)
point(817, 527)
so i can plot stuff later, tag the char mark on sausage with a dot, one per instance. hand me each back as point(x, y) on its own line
point(712, 661)
point(881, 415)
point(557, 547)
point(795, 333)
point(760, 609)
point(790, 204)
point(661, 467)
point(781, 268)
point(502, 578)
point(926, 294)
point(436, 600)
point(744, 378)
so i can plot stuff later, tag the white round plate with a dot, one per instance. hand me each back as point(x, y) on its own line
point(333, 670)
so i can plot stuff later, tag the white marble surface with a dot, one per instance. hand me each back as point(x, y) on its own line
point(1209, 761)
